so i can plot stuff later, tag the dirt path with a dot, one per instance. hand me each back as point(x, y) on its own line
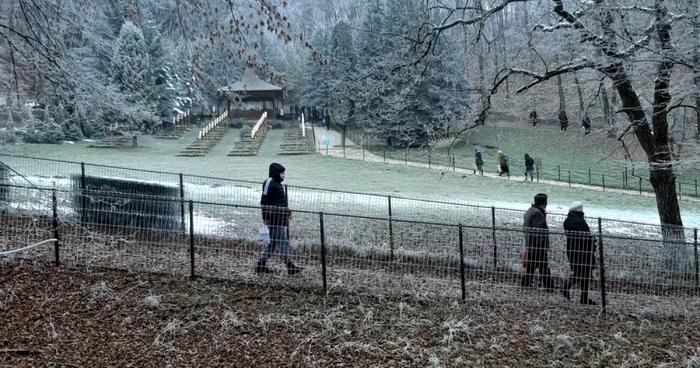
point(353, 151)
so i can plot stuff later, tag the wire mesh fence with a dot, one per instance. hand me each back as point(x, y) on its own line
point(49, 173)
point(341, 252)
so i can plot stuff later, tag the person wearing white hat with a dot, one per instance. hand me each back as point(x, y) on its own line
point(580, 250)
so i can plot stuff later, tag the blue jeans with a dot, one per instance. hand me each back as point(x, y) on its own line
point(278, 237)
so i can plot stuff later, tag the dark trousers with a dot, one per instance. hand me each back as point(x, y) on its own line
point(581, 266)
point(537, 259)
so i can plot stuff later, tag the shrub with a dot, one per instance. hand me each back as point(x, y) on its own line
point(237, 123)
point(245, 131)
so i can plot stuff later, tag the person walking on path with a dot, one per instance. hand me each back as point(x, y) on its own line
point(276, 215)
point(529, 166)
point(327, 121)
point(563, 120)
point(537, 244)
point(533, 118)
point(478, 162)
point(580, 250)
point(502, 164)
point(586, 125)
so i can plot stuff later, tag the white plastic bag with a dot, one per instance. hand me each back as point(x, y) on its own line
point(264, 235)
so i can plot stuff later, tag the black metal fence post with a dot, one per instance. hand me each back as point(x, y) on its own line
point(569, 178)
point(454, 164)
point(384, 156)
point(601, 260)
point(589, 176)
point(83, 197)
point(493, 236)
point(391, 230)
point(54, 223)
point(537, 171)
point(323, 253)
point(559, 172)
point(192, 275)
point(603, 177)
point(680, 190)
point(640, 186)
point(182, 203)
point(697, 266)
point(461, 263)
point(286, 194)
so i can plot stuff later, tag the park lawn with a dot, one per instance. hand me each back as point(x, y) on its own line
point(558, 154)
point(351, 175)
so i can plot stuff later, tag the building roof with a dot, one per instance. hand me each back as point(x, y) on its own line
point(250, 83)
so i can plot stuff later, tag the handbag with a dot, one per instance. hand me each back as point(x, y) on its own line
point(264, 234)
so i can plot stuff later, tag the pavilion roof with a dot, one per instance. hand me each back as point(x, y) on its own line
point(250, 83)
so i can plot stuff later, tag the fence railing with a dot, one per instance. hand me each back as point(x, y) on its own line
point(343, 251)
point(627, 176)
point(50, 173)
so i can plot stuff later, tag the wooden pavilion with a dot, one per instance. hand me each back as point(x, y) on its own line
point(250, 97)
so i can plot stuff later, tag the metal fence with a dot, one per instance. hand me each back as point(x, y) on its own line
point(49, 173)
point(628, 176)
point(341, 252)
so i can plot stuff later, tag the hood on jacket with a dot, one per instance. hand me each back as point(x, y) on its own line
point(477, 151)
point(499, 153)
point(527, 156)
point(275, 171)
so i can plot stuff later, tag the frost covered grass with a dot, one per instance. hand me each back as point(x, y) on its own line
point(347, 175)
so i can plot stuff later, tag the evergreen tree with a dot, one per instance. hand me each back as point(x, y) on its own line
point(131, 63)
point(341, 74)
point(314, 82)
point(160, 62)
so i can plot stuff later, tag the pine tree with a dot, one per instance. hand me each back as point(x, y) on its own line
point(341, 73)
point(131, 63)
point(160, 62)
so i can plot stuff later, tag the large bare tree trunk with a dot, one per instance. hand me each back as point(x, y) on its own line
point(580, 97)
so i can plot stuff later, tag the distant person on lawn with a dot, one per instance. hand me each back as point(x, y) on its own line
point(276, 215)
point(533, 118)
point(327, 120)
point(502, 163)
point(478, 162)
point(563, 120)
point(529, 166)
point(537, 244)
point(586, 125)
point(580, 250)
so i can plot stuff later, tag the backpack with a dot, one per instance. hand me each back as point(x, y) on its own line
point(505, 158)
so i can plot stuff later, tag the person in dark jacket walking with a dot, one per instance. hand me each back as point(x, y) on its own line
point(502, 163)
point(537, 244)
point(533, 118)
point(276, 215)
point(529, 166)
point(327, 121)
point(478, 162)
point(580, 250)
point(563, 120)
point(586, 125)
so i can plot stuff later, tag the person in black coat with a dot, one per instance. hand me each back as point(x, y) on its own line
point(533, 118)
point(478, 162)
point(586, 125)
point(529, 166)
point(563, 120)
point(276, 215)
point(537, 244)
point(580, 249)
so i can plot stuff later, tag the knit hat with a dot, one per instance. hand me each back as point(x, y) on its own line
point(540, 198)
point(576, 207)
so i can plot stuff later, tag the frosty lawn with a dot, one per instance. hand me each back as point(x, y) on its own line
point(348, 175)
